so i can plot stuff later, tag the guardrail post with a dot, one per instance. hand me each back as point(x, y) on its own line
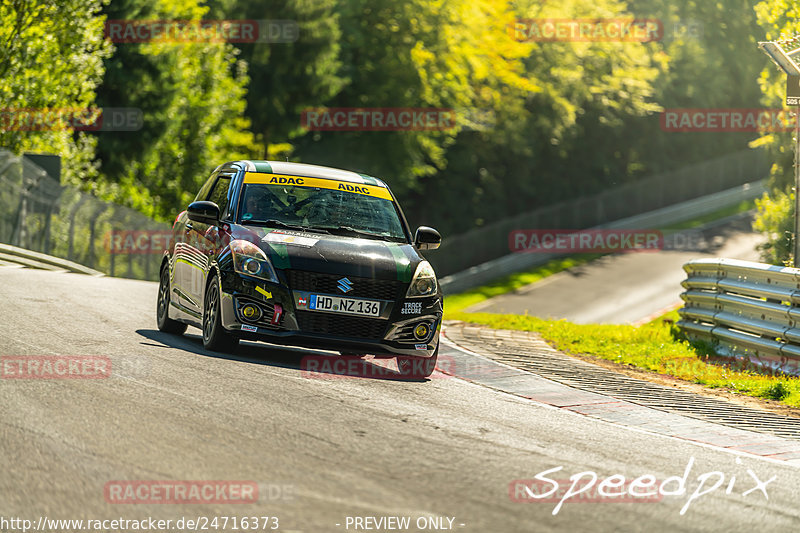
point(90, 253)
point(71, 237)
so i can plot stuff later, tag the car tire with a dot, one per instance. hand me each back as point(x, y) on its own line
point(417, 367)
point(165, 323)
point(215, 338)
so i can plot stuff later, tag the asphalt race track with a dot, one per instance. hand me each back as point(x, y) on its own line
point(323, 450)
point(627, 288)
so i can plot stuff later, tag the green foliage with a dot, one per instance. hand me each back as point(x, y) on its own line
point(776, 391)
point(778, 18)
point(537, 122)
point(417, 54)
point(192, 95)
point(714, 62)
point(51, 58)
point(776, 219)
point(286, 78)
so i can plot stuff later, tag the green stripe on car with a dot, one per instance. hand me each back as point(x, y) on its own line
point(401, 262)
point(263, 166)
point(279, 255)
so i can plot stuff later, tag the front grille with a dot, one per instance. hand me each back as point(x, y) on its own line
point(343, 326)
point(378, 289)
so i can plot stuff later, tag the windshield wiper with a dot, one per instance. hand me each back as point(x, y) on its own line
point(274, 223)
point(359, 232)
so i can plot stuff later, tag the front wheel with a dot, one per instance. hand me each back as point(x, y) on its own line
point(417, 367)
point(215, 338)
point(165, 323)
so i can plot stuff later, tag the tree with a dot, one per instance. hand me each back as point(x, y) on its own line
point(51, 61)
point(192, 97)
point(778, 19)
point(287, 77)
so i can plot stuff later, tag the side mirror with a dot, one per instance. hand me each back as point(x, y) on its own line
point(427, 238)
point(203, 212)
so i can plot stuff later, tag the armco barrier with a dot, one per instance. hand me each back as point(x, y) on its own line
point(479, 247)
point(518, 262)
point(745, 310)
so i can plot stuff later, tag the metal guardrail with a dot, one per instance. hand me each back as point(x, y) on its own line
point(479, 246)
point(660, 218)
point(746, 310)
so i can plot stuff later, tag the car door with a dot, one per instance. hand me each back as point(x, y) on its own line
point(201, 243)
point(182, 256)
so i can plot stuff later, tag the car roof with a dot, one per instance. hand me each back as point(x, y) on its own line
point(309, 171)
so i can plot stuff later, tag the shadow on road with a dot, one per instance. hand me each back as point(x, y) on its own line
point(314, 364)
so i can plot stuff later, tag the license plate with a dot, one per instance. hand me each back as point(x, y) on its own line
point(349, 306)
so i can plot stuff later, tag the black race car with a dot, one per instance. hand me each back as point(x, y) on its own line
point(302, 255)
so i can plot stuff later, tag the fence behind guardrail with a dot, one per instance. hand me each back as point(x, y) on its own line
point(476, 246)
point(39, 214)
point(745, 310)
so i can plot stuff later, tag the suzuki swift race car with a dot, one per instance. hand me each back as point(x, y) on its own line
point(302, 255)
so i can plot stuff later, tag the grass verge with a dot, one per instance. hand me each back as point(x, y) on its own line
point(655, 347)
point(512, 282)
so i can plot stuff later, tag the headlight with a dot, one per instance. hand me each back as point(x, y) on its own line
point(423, 283)
point(251, 260)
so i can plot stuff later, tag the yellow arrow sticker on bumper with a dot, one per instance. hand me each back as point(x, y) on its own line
point(264, 292)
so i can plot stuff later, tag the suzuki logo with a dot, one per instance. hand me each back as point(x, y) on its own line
point(345, 285)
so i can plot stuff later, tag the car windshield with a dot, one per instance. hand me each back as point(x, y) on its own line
point(316, 208)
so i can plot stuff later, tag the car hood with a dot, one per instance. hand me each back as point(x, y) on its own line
point(334, 254)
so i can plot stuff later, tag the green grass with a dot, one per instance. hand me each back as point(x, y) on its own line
point(512, 282)
point(655, 347)
point(742, 207)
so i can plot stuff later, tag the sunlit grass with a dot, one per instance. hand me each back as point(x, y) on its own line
point(512, 282)
point(655, 347)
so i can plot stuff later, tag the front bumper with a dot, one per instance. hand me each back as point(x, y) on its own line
point(281, 322)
